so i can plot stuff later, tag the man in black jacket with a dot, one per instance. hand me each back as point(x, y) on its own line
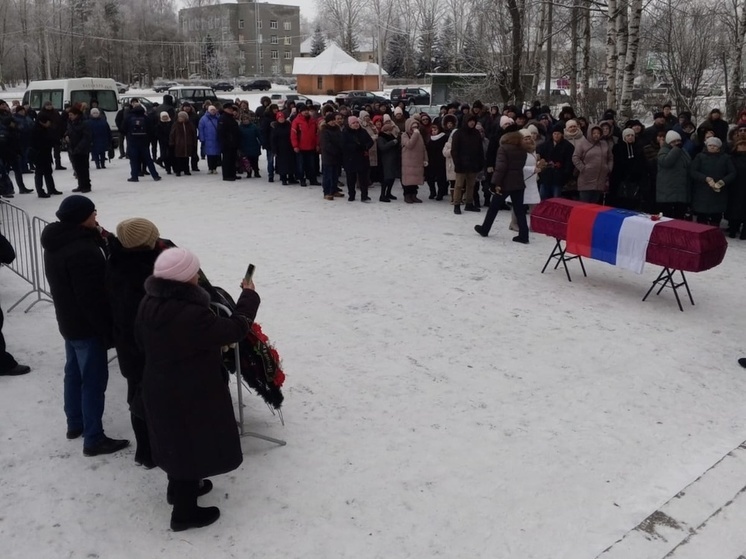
point(139, 130)
point(75, 262)
point(468, 160)
point(79, 139)
point(229, 134)
point(8, 365)
point(557, 152)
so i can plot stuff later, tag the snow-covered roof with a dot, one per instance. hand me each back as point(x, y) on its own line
point(334, 62)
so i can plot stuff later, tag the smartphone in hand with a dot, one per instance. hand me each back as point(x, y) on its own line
point(249, 273)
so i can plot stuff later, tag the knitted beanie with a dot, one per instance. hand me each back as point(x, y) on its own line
point(627, 132)
point(176, 264)
point(137, 232)
point(75, 209)
point(672, 136)
point(506, 121)
point(713, 141)
point(352, 120)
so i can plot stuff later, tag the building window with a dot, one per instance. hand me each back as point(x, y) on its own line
point(288, 69)
point(275, 68)
point(259, 39)
point(261, 53)
point(273, 24)
point(273, 39)
point(240, 38)
point(261, 68)
point(240, 24)
point(320, 82)
point(275, 55)
point(287, 26)
point(288, 55)
point(288, 40)
point(259, 24)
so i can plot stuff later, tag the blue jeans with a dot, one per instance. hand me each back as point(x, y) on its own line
point(86, 377)
point(550, 191)
point(270, 163)
point(329, 178)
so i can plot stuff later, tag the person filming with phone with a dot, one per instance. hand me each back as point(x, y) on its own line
point(193, 431)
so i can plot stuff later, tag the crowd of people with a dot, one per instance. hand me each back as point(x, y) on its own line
point(469, 154)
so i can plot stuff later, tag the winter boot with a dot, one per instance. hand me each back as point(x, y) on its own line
point(415, 199)
point(388, 193)
point(471, 208)
point(186, 513)
point(409, 198)
point(256, 174)
point(204, 486)
point(39, 184)
point(432, 192)
point(457, 209)
point(383, 197)
point(479, 229)
point(364, 195)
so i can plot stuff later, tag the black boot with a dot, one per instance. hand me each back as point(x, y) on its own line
point(388, 193)
point(39, 184)
point(186, 513)
point(457, 209)
point(432, 192)
point(204, 487)
point(364, 195)
point(471, 208)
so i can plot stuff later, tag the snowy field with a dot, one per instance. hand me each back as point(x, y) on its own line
point(443, 397)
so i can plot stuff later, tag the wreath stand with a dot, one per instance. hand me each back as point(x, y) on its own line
point(239, 391)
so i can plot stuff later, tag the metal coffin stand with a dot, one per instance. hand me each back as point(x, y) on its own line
point(240, 388)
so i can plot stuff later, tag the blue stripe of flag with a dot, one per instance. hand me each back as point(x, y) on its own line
point(606, 234)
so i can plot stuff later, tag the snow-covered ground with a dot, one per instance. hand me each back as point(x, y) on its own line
point(444, 398)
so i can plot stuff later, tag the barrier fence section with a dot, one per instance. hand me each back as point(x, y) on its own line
point(25, 235)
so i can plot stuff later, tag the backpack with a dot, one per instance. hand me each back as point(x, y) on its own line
point(138, 127)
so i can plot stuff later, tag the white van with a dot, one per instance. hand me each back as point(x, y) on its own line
point(75, 90)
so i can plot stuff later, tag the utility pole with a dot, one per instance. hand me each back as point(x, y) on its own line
point(47, 64)
point(548, 70)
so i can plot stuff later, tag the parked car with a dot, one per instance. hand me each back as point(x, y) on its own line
point(410, 95)
point(282, 98)
point(196, 95)
point(261, 85)
point(222, 86)
point(144, 101)
point(121, 88)
point(160, 88)
point(357, 99)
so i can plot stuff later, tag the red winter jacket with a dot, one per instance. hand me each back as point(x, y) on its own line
point(304, 133)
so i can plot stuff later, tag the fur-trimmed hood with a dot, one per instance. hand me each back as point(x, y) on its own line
point(169, 289)
point(511, 139)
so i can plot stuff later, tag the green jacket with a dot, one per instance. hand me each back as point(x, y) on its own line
point(673, 182)
point(718, 166)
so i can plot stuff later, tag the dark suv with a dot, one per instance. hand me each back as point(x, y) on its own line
point(358, 99)
point(222, 86)
point(410, 96)
point(261, 85)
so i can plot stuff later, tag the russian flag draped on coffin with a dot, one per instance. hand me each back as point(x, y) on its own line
point(619, 237)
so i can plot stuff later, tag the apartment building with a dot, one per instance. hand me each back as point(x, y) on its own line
point(241, 39)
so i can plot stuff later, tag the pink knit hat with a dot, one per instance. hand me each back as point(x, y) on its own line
point(352, 120)
point(177, 264)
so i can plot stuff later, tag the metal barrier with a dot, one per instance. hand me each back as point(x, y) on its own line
point(25, 234)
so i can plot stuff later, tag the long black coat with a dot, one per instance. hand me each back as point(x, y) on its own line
point(355, 146)
point(229, 133)
point(279, 139)
point(75, 264)
point(330, 143)
point(193, 432)
point(630, 172)
point(126, 272)
point(389, 156)
point(561, 155)
point(79, 137)
point(436, 161)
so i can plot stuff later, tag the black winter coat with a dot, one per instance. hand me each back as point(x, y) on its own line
point(467, 151)
point(436, 161)
point(330, 142)
point(126, 272)
point(229, 134)
point(279, 139)
point(79, 137)
point(43, 141)
point(75, 264)
point(737, 190)
point(7, 253)
point(355, 146)
point(511, 158)
point(629, 174)
point(560, 155)
point(389, 156)
point(193, 432)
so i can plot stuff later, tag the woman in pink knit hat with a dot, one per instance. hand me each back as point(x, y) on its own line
point(193, 432)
